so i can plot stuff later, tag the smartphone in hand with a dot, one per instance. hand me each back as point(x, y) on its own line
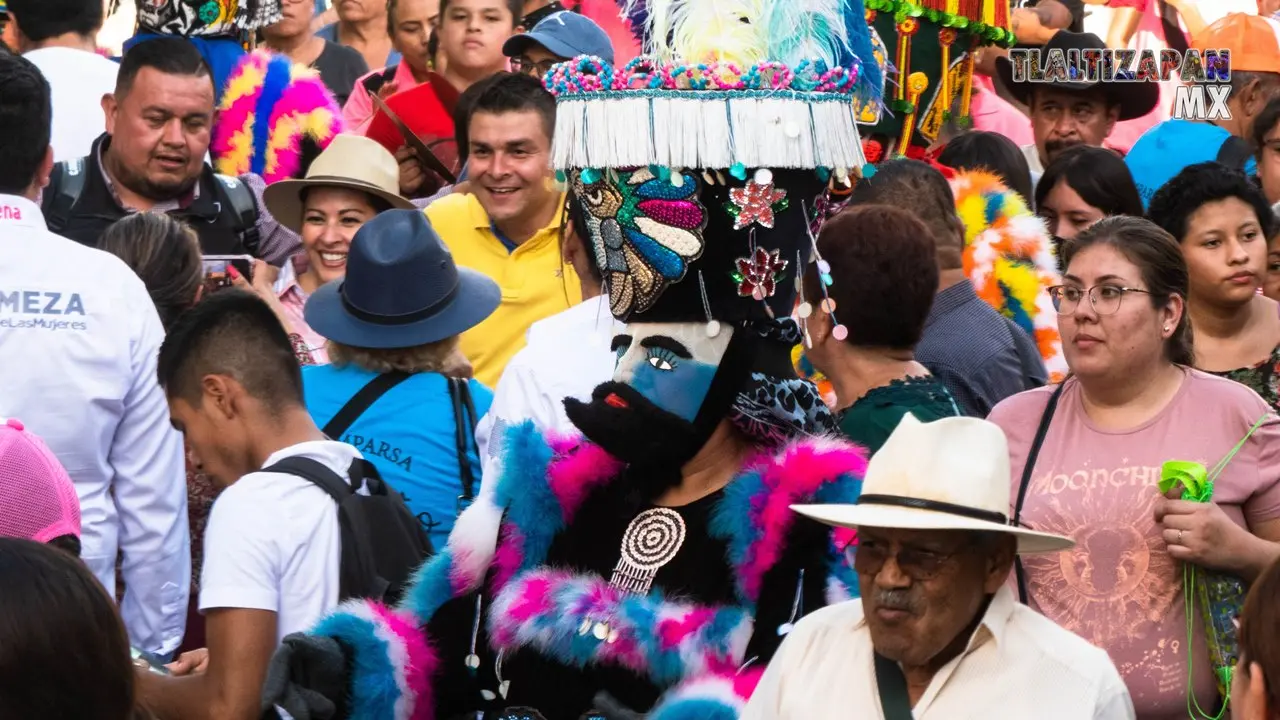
point(142, 658)
point(216, 274)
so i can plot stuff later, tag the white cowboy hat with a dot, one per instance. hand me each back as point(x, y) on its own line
point(351, 161)
point(950, 474)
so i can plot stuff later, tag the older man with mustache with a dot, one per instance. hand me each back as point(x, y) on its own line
point(1073, 111)
point(938, 632)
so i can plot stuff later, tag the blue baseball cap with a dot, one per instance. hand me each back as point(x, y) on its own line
point(564, 34)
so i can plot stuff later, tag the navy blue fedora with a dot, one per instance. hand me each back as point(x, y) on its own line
point(402, 288)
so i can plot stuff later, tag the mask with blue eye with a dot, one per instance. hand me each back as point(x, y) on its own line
point(649, 413)
point(670, 364)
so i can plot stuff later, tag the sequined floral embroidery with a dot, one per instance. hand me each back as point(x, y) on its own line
point(646, 230)
point(757, 276)
point(756, 202)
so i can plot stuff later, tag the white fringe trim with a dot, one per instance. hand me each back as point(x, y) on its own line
point(706, 129)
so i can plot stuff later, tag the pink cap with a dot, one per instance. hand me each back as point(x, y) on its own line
point(37, 498)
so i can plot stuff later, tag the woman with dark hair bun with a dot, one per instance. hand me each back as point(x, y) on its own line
point(883, 259)
point(1222, 221)
point(63, 648)
point(1132, 403)
point(1083, 185)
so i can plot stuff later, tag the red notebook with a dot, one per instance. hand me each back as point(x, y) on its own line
point(426, 112)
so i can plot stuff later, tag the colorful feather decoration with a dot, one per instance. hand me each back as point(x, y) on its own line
point(1008, 256)
point(555, 612)
point(858, 34)
point(755, 515)
point(754, 31)
point(704, 31)
point(814, 30)
point(269, 107)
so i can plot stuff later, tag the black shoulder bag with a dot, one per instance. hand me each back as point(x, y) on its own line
point(1043, 429)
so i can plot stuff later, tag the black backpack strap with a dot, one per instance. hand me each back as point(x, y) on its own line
point(245, 210)
point(892, 687)
point(1235, 152)
point(359, 576)
point(361, 401)
point(66, 183)
point(464, 414)
point(317, 472)
point(1042, 430)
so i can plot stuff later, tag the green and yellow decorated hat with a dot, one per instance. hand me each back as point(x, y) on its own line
point(927, 47)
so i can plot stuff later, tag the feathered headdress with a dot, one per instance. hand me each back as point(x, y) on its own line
point(270, 109)
point(770, 81)
point(1008, 255)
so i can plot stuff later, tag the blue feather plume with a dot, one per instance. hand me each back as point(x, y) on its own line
point(858, 32)
point(637, 13)
point(273, 86)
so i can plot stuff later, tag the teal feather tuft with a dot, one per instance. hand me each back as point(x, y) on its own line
point(808, 30)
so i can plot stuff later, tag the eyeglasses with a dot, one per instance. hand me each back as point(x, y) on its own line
point(525, 66)
point(1105, 299)
point(869, 556)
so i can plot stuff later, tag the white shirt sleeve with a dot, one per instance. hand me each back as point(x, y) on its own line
point(150, 494)
point(240, 554)
point(518, 397)
point(1114, 702)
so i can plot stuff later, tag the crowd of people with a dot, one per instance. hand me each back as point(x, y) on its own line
point(453, 359)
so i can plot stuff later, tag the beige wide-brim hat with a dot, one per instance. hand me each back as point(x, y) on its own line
point(950, 474)
point(351, 161)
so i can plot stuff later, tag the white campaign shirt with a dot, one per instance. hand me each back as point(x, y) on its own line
point(77, 81)
point(1018, 664)
point(566, 355)
point(273, 542)
point(79, 338)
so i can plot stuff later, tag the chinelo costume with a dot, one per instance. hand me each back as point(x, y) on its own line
point(566, 591)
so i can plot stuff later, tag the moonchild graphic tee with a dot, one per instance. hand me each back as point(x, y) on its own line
point(1118, 587)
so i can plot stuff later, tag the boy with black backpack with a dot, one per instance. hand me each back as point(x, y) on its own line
point(303, 522)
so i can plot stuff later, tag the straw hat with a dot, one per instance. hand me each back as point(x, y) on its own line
point(950, 474)
point(350, 161)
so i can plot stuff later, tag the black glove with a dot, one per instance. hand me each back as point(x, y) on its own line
point(307, 678)
point(608, 707)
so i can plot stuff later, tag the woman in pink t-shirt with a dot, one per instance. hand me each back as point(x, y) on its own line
point(1131, 404)
point(1222, 221)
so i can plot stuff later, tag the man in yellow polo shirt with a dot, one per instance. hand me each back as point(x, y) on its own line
point(508, 227)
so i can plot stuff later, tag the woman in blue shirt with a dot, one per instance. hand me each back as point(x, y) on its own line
point(392, 326)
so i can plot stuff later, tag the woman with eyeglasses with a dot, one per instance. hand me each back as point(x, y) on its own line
point(1222, 222)
point(1086, 459)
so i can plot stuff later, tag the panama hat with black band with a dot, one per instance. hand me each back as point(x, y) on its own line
point(949, 474)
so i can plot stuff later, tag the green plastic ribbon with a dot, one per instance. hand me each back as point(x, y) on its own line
point(1197, 486)
point(1192, 476)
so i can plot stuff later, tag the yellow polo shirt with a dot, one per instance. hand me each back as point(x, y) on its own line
point(536, 282)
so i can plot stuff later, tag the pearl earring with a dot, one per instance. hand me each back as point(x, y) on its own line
point(1166, 328)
